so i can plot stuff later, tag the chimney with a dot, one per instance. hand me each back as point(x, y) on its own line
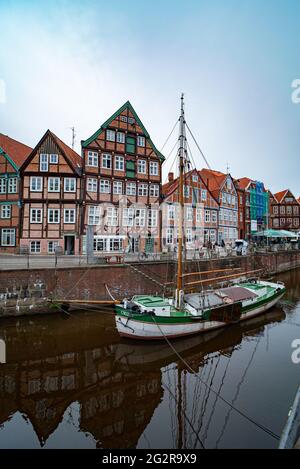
point(171, 177)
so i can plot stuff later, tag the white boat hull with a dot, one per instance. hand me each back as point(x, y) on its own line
point(146, 330)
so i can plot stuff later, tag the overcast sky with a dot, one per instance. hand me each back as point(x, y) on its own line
point(66, 63)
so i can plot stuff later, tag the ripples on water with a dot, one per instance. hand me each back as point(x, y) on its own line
point(70, 382)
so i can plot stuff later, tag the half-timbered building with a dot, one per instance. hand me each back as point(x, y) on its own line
point(285, 211)
point(223, 189)
point(51, 193)
point(12, 155)
point(122, 185)
point(201, 212)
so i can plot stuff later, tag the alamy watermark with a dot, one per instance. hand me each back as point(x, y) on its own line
point(2, 351)
point(296, 93)
point(296, 353)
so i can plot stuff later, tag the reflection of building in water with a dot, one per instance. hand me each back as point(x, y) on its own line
point(117, 385)
point(115, 405)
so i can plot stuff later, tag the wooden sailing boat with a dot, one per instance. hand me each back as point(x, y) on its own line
point(156, 317)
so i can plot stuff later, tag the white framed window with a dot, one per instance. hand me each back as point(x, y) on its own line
point(118, 187)
point(141, 141)
point(106, 161)
point(143, 190)
point(44, 162)
point(112, 216)
point(207, 216)
point(171, 212)
point(70, 184)
point(199, 214)
point(142, 166)
point(131, 120)
point(275, 210)
point(188, 235)
point(214, 216)
point(110, 135)
point(92, 159)
point(119, 163)
point(170, 236)
point(52, 245)
point(152, 218)
point(104, 186)
point(35, 247)
point(153, 168)
point(120, 137)
point(12, 185)
point(123, 118)
point(195, 178)
point(53, 215)
point(189, 213)
point(131, 188)
point(128, 216)
point(186, 191)
point(2, 185)
point(69, 215)
point(154, 190)
point(94, 215)
point(203, 195)
point(8, 237)
point(36, 215)
point(91, 184)
point(53, 158)
point(140, 217)
point(53, 184)
point(5, 211)
point(36, 183)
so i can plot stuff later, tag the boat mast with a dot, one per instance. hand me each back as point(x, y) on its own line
point(181, 152)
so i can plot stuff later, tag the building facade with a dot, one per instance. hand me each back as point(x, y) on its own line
point(201, 212)
point(122, 186)
point(285, 211)
point(222, 187)
point(12, 155)
point(51, 193)
point(256, 205)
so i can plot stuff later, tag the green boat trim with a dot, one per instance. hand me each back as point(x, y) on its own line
point(184, 317)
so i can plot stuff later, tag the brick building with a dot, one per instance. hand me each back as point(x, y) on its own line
point(51, 193)
point(122, 185)
point(12, 155)
point(200, 214)
point(285, 211)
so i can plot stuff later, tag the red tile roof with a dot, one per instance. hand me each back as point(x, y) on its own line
point(17, 151)
point(243, 183)
point(279, 195)
point(213, 179)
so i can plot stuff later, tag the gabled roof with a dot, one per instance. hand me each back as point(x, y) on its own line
point(243, 183)
point(16, 152)
point(106, 124)
point(71, 156)
point(279, 196)
point(215, 180)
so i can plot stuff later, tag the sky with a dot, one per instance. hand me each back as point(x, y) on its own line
point(74, 63)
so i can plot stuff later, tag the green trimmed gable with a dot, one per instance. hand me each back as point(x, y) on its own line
point(10, 160)
point(106, 124)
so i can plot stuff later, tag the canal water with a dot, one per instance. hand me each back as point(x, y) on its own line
point(71, 382)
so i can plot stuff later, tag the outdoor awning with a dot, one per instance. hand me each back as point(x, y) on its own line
point(276, 234)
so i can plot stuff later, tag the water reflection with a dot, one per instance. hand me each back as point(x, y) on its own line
point(71, 382)
point(53, 362)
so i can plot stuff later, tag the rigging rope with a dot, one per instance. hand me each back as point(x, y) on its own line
point(257, 424)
